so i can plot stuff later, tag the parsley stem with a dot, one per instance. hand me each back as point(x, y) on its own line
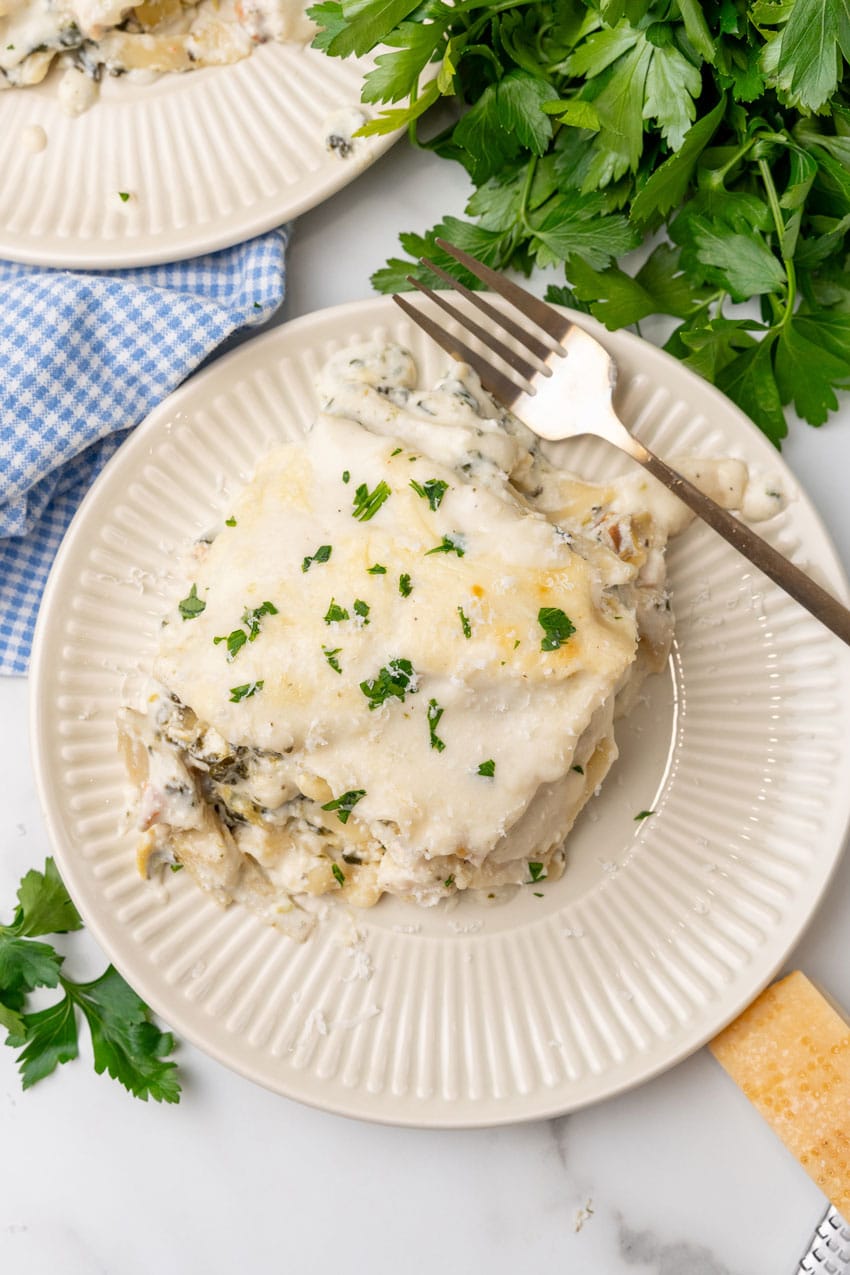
point(779, 223)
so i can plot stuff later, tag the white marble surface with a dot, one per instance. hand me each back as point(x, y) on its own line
point(682, 1176)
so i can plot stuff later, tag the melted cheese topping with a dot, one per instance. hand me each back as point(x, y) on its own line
point(398, 666)
point(498, 690)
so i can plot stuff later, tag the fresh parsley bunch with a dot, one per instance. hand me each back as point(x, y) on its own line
point(126, 1043)
point(594, 124)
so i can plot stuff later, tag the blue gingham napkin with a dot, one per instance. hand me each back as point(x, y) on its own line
point(83, 358)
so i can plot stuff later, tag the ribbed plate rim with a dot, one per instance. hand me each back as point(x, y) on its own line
point(161, 247)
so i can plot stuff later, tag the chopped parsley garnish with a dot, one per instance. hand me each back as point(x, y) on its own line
point(338, 873)
point(367, 503)
point(556, 626)
point(361, 608)
point(396, 451)
point(346, 476)
point(230, 522)
point(321, 555)
point(257, 305)
point(176, 867)
point(516, 643)
point(252, 618)
point(578, 769)
point(538, 895)
point(353, 859)
point(235, 641)
point(643, 814)
point(464, 623)
point(405, 588)
point(330, 656)
point(335, 613)
point(192, 606)
point(433, 491)
point(487, 769)
point(536, 873)
point(345, 804)
point(123, 195)
point(245, 691)
point(434, 715)
point(393, 682)
point(448, 545)
point(377, 570)
point(449, 882)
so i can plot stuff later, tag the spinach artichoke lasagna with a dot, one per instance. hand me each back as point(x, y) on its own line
point(396, 666)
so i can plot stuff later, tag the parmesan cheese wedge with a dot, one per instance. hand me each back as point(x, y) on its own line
point(790, 1054)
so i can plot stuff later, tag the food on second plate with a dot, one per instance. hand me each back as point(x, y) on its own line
point(93, 38)
point(396, 667)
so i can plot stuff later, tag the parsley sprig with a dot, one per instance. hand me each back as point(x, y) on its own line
point(593, 124)
point(125, 1042)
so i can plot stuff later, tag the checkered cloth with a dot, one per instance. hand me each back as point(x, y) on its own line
point(83, 358)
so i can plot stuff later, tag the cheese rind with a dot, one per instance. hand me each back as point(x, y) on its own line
point(790, 1054)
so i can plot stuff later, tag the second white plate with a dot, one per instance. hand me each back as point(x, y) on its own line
point(208, 159)
point(660, 931)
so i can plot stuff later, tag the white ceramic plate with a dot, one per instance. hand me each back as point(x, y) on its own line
point(659, 932)
point(208, 158)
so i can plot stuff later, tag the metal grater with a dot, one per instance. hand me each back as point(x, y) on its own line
point(829, 1251)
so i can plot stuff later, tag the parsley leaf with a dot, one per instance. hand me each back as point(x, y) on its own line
point(449, 544)
point(393, 681)
point(405, 588)
point(191, 606)
point(367, 503)
point(643, 814)
point(322, 554)
point(464, 623)
point(487, 769)
point(361, 608)
point(330, 656)
point(434, 715)
point(432, 491)
point(557, 628)
point(252, 618)
point(335, 613)
point(235, 641)
point(345, 803)
point(338, 873)
point(377, 570)
point(245, 691)
point(536, 873)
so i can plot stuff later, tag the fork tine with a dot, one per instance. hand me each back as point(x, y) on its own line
point(538, 311)
point(492, 343)
point(477, 299)
point(498, 384)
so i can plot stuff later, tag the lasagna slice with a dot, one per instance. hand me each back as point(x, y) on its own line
point(396, 667)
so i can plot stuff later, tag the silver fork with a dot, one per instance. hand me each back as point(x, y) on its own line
point(562, 385)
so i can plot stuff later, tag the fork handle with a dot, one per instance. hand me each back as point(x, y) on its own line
point(822, 605)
